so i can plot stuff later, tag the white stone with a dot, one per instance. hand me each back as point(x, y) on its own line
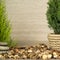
point(29, 50)
point(4, 48)
point(16, 57)
point(0, 56)
point(40, 55)
point(3, 43)
point(24, 56)
point(3, 52)
point(37, 51)
point(49, 56)
point(55, 54)
point(44, 57)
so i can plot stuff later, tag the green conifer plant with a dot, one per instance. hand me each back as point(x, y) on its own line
point(53, 15)
point(5, 29)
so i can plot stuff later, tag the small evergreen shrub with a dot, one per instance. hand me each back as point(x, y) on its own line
point(4, 23)
point(53, 15)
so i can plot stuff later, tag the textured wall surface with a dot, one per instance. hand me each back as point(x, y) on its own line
point(28, 18)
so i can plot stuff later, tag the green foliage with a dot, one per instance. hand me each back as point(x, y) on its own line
point(53, 15)
point(12, 43)
point(4, 23)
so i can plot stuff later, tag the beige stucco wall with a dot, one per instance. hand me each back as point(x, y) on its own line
point(28, 18)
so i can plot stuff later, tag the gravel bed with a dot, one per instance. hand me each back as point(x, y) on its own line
point(39, 52)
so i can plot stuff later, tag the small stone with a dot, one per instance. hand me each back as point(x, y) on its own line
point(3, 52)
point(3, 44)
point(49, 56)
point(24, 56)
point(6, 55)
point(30, 55)
point(16, 57)
point(30, 51)
point(31, 47)
point(21, 51)
point(40, 55)
point(38, 51)
point(4, 48)
point(16, 50)
point(11, 52)
point(43, 45)
point(35, 57)
point(44, 57)
point(55, 54)
point(46, 52)
point(10, 56)
point(1, 56)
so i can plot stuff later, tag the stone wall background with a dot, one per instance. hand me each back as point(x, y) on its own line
point(28, 19)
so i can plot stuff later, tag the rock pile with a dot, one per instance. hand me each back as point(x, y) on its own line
point(3, 47)
point(40, 51)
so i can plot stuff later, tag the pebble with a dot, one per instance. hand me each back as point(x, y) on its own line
point(55, 54)
point(3, 52)
point(16, 50)
point(4, 48)
point(38, 51)
point(49, 56)
point(24, 56)
point(1, 56)
point(40, 55)
point(11, 52)
point(44, 57)
point(3, 44)
point(29, 50)
point(10, 56)
point(16, 57)
point(21, 51)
